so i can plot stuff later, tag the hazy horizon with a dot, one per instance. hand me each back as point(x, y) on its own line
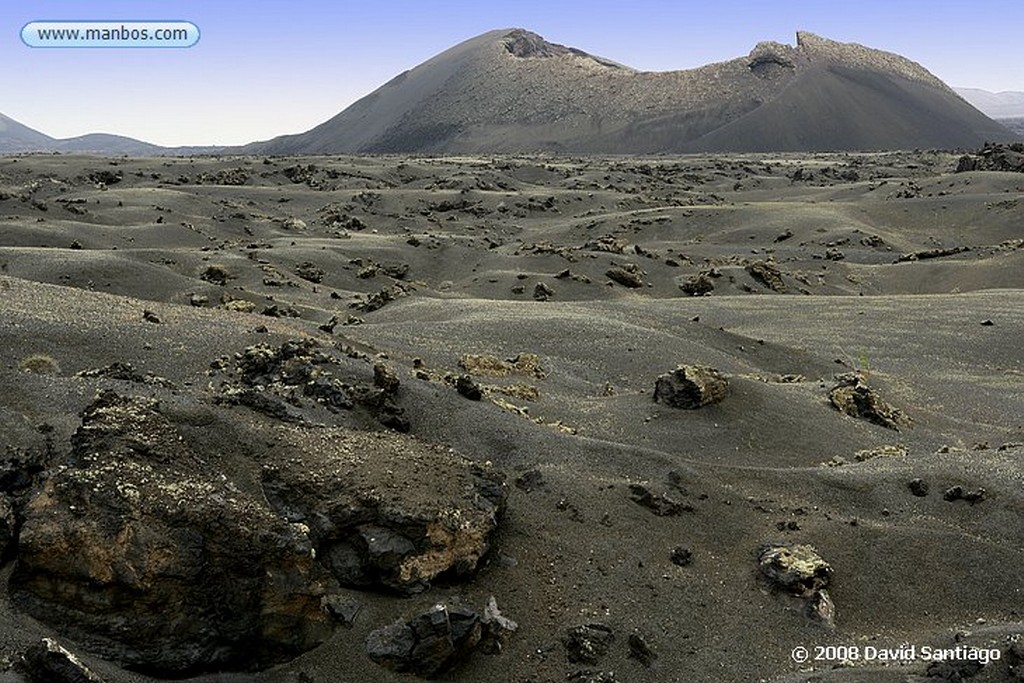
point(260, 71)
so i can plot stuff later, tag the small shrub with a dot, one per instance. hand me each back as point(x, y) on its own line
point(40, 364)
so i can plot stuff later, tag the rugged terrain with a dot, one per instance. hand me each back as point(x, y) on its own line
point(261, 415)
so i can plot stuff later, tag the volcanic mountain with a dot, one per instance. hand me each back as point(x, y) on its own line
point(512, 91)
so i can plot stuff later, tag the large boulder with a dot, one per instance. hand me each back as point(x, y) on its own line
point(429, 643)
point(143, 554)
point(385, 509)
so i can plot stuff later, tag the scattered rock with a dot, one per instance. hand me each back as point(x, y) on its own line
point(855, 398)
point(530, 480)
point(627, 275)
point(438, 639)
point(768, 275)
point(381, 298)
point(198, 300)
point(958, 492)
point(485, 365)
point(588, 643)
point(930, 254)
point(428, 644)
point(640, 649)
point(690, 387)
point(467, 387)
point(215, 274)
point(48, 662)
point(310, 272)
point(797, 569)
point(698, 285)
point(888, 451)
point(918, 487)
point(151, 317)
point(126, 372)
point(343, 609)
point(542, 292)
point(661, 505)
point(681, 557)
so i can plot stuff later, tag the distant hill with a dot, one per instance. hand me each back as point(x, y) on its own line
point(512, 91)
point(998, 105)
point(16, 137)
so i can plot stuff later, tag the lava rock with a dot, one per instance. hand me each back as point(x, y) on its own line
point(918, 487)
point(48, 662)
point(627, 275)
point(588, 643)
point(467, 386)
point(145, 556)
point(429, 643)
point(954, 493)
point(496, 628)
point(681, 557)
point(768, 275)
point(542, 291)
point(698, 285)
point(853, 396)
point(640, 649)
point(796, 568)
point(690, 387)
point(385, 510)
point(661, 505)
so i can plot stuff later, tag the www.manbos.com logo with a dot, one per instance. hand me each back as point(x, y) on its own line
point(110, 34)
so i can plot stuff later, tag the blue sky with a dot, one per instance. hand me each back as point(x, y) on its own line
point(267, 68)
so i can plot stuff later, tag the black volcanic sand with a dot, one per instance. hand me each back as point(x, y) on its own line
point(461, 246)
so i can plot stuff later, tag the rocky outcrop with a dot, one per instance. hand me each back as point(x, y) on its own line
point(144, 556)
point(690, 387)
point(386, 510)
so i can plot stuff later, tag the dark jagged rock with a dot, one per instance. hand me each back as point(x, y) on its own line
point(640, 649)
point(853, 396)
point(954, 493)
point(690, 386)
point(429, 644)
point(918, 487)
point(588, 643)
point(381, 298)
point(143, 556)
point(661, 505)
point(48, 662)
point(467, 386)
point(681, 557)
point(386, 510)
point(127, 373)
